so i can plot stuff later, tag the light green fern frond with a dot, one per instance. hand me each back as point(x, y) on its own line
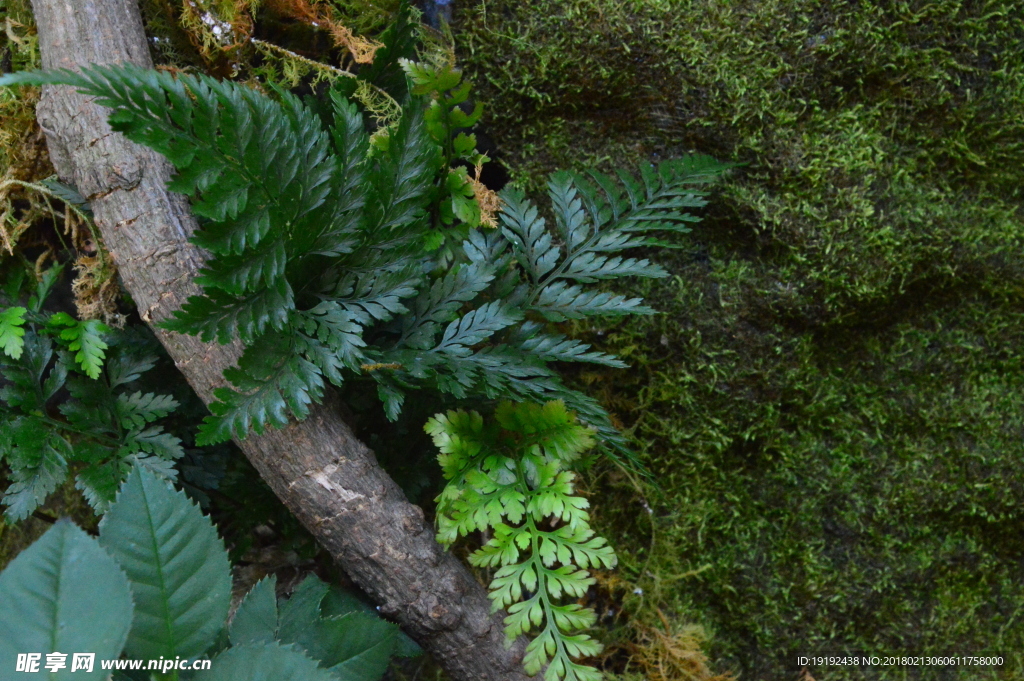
point(509, 476)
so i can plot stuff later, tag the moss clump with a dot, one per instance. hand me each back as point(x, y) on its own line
point(832, 402)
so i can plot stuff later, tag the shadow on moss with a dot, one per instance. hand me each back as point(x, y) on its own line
point(832, 402)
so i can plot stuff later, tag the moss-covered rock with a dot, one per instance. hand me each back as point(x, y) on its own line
point(832, 403)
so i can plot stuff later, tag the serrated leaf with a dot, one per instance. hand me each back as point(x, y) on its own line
point(264, 662)
point(338, 329)
point(339, 601)
point(475, 326)
point(560, 301)
point(255, 621)
point(99, 483)
point(85, 339)
point(154, 440)
point(176, 563)
point(224, 317)
point(357, 646)
point(252, 269)
point(125, 367)
point(403, 178)
point(25, 377)
point(508, 470)
point(378, 295)
point(12, 332)
point(160, 467)
point(136, 410)
point(441, 302)
point(63, 594)
point(557, 348)
point(39, 463)
point(271, 382)
point(302, 610)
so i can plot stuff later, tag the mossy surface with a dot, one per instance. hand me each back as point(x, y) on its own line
point(832, 402)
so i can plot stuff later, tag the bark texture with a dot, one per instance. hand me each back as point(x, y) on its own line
point(329, 479)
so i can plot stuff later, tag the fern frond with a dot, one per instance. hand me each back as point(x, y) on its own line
point(338, 329)
point(476, 326)
point(253, 269)
point(402, 184)
point(84, 338)
point(441, 302)
point(560, 301)
point(271, 381)
point(154, 441)
point(508, 476)
point(136, 410)
point(532, 244)
point(38, 457)
point(12, 321)
point(223, 316)
point(319, 237)
point(377, 296)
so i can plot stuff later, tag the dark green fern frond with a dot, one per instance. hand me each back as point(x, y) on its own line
point(320, 239)
point(272, 382)
point(402, 182)
point(69, 402)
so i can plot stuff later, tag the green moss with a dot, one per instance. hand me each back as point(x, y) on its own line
point(832, 403)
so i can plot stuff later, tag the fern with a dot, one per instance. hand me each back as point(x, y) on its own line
point(84, 338)
point(336, 253)
point(104, 427)
point(12, 333)
point(320, 245)
point(509, 476)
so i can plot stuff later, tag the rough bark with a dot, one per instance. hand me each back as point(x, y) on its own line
point(328, 478)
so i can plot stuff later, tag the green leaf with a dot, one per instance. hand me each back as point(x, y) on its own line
point(27, 390)
point(44, 286)
point(176, 563)
point(125, 367)
point(154, 441)
point(99, 483)
point(302, 610)
point(357, 646)
point(338, 329)
point(557, 348)
point(254, 268)
point(377, 295)
point(12, 321)
point(440, 304)
point(39, 462)
point(255, 621)
point(85, 338)
point(561, 301)
point(225, 317)
point(63, 594)
point(508, 476)
point(264, 662)
point(136, 410)
point(476, 326)
point(339, 601)
point(272, 382)
point(402, 181)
